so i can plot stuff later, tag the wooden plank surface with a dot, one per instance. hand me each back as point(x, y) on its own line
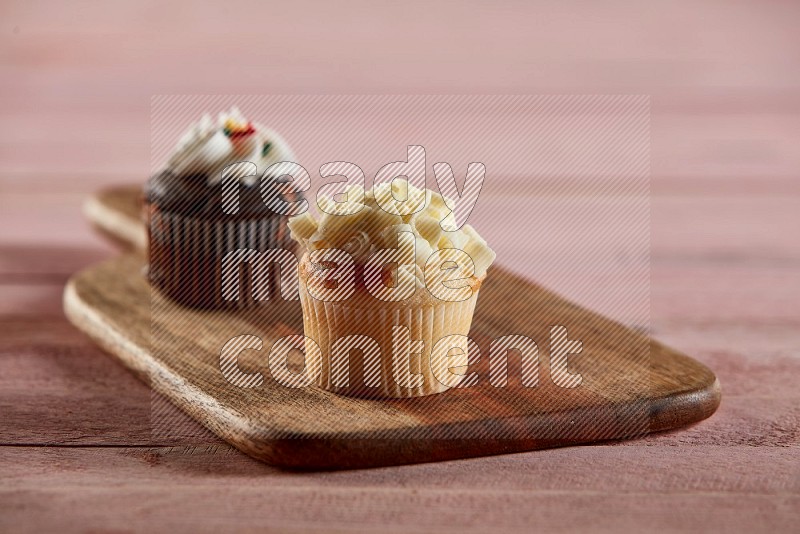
point(216, 488)
point(755, 358)
point(77, 455)
point(631, 384)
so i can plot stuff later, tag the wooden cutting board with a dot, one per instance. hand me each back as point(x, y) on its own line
point(631, 384)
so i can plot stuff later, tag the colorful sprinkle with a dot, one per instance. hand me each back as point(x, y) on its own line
point(237, 129)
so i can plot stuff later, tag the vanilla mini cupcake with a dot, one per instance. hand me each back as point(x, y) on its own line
point(191, 220)
point(398, 326)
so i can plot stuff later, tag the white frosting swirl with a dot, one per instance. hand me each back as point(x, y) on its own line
point(209, 146)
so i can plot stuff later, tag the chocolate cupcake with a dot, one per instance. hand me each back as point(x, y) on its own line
point(194, 222)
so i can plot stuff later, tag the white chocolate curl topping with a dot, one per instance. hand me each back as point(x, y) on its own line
point(209, 146)
point(372, 228)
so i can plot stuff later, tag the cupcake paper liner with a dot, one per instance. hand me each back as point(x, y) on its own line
point(371, 372)
point(186, 256)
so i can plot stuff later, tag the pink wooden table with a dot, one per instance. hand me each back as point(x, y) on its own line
point(76, 447)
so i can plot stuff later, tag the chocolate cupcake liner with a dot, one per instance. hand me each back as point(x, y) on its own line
point(186, 256)
point(371, 373)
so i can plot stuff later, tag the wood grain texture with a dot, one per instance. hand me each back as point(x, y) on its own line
point(112, 212)
point(632, 385)
point(726, 107)
point(608, 488)
point(753, 354)
point(59, 388)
